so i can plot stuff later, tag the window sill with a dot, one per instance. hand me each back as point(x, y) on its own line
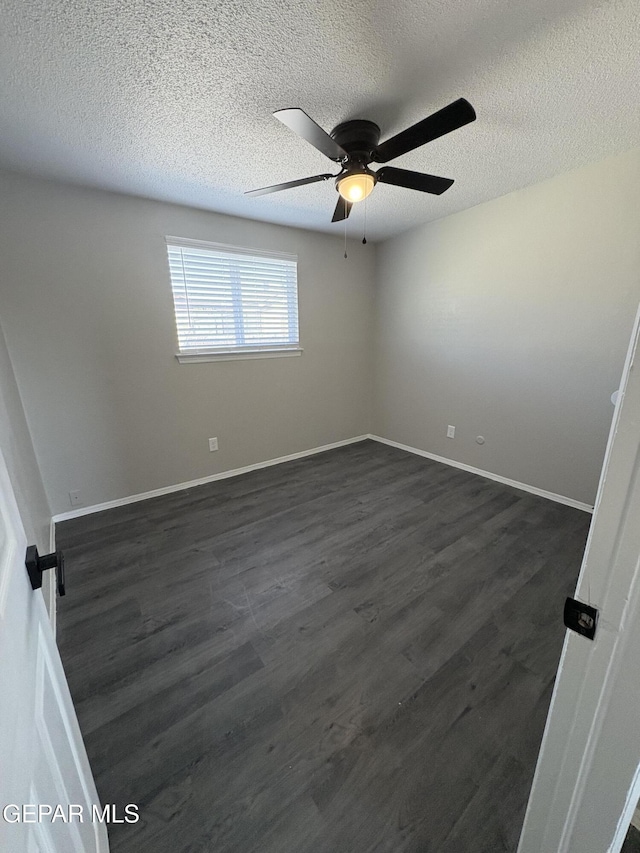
point(237, 355)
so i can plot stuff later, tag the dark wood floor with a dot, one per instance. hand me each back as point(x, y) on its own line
point(348, 653)
point(632, 841)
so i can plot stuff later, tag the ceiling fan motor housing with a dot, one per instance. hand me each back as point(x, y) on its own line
point(359, 138)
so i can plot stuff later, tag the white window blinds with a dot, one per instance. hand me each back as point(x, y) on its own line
point(232, 300)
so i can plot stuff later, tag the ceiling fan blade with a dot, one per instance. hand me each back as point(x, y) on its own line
point(277, 187)
point(413, 180)
point(449, 118)
point(298, 121)
point(343, 209)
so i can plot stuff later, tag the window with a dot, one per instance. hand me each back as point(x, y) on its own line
point(231, 302)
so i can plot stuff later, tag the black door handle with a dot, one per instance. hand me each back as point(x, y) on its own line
point(36, 565)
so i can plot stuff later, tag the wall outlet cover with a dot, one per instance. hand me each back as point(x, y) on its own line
point(451, 431)
point(213, 444)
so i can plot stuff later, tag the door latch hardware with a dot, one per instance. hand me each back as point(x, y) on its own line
point(36, 565)
point(581, 618)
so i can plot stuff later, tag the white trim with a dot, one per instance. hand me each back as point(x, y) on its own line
point(235, 472)
point(237, 355)
point(534, 490)
point(629, 816)
point(223, 475)
point(187, 242)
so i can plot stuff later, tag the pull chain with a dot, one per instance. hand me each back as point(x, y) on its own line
point(345, 238)
point(364, 231)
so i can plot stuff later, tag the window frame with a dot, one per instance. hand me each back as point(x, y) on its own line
point(234, 352)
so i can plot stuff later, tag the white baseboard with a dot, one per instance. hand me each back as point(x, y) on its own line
point(534, 490)
point(178, 487)
point(223, 475)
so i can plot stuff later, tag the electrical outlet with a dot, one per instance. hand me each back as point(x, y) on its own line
point(213, 444)
point(75, 499)
point(451, 431)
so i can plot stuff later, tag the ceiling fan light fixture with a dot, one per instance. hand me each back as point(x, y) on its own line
point(356, 186)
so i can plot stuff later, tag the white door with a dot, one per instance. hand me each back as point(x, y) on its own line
point(587, 781)
point(43, 763)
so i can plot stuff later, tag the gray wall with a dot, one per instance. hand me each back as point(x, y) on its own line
point(511, 320)
point(88, 315)
point(17, 449)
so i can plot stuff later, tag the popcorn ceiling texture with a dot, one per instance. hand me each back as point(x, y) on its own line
point(172, 99)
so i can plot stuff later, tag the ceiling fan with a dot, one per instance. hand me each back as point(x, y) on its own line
point(355, 145)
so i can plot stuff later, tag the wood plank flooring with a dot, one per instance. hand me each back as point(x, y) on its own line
point(632, 841)
point(348, 653)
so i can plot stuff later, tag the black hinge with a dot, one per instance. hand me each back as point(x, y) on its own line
point(581, 618)
point(36, 565)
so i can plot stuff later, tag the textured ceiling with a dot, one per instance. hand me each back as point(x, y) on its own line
point(172, 99)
